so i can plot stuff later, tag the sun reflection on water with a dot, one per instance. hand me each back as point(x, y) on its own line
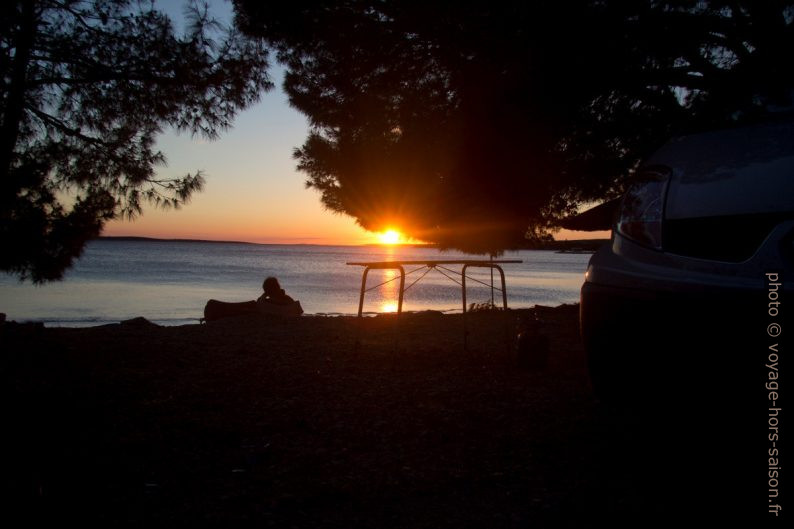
point(390, 291)
point(388, 306)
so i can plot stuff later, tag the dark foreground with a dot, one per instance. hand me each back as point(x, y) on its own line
point(286, 424)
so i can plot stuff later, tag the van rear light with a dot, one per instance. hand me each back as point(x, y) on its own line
point(642, 209)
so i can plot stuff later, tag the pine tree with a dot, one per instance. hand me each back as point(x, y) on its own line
point(87, 86)
point(476, 124)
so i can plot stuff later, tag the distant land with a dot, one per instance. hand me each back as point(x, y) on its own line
point(155, 239)
point(584, 245)
point(214, 241)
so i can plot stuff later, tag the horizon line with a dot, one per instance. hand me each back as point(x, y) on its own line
point(219, 241)
point(406, 244)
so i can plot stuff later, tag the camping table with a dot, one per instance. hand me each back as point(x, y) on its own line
point(433, 264)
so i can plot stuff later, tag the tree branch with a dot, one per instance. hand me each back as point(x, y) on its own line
point(77, 15)
point(61, 126)
point(115, 76)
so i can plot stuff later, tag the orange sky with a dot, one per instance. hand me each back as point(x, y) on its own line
point(253, 192)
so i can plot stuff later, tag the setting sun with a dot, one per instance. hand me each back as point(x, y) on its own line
point(389, 237)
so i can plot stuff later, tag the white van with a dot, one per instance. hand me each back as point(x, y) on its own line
point(702, 243)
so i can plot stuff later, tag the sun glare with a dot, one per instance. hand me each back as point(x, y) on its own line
point(388, 306)
point(389, 237)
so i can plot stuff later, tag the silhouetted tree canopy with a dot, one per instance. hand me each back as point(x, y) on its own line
point(86, 88)
point(474, 124)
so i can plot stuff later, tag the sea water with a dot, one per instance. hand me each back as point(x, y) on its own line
point(169, 282)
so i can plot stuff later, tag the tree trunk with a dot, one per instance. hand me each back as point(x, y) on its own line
point(15, 99)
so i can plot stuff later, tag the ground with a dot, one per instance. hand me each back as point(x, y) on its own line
point(319, 422)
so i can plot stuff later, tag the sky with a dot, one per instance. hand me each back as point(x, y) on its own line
point(252, 190)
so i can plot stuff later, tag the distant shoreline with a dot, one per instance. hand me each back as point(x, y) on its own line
point(564, 245)
point(156, 239)
point(212, 241)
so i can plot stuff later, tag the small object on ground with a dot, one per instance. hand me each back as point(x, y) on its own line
point(216, 310)
point(482, 307)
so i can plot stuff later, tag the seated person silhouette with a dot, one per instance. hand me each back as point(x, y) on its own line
point(274, 293)
point(275, 301)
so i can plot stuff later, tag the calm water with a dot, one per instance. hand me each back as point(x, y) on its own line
point(169, 282)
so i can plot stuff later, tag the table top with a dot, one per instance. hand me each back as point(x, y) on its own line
point(433, 262)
